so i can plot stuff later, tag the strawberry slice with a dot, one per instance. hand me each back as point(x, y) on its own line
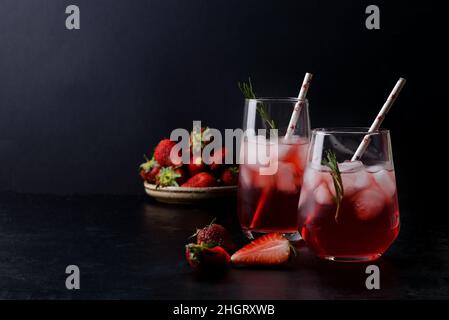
point(271, 249)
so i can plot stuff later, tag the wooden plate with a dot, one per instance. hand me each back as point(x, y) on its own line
point(183, 195)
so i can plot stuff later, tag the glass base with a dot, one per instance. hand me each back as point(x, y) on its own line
point(352, 258)
point(291, 236)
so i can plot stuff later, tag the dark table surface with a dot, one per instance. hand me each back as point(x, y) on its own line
point(132, 248)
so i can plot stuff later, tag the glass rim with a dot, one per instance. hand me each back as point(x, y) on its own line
point(276, 99)
point(349, 131)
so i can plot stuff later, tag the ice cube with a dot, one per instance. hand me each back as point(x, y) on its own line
point(283, 151)
point(312, 179)
point(264, 181)
point(267, 152)
point(323, 195)
point(246, 176)
point(376, 168)
point(386, 182)
point(293, 139)
point(286, 178)
point(256, 150)
point(248, 152)
point(327, 178)
point(355, 181)
point(302, 150)
point(350, 166)
point(369, 203)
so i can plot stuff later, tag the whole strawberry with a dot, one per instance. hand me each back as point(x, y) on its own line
point(149, 170)
point(207, 257)
point(170, 177)
point(162, 152)
point(201, 180)
point(195, 166)
point(182, 175)
point(230, 176)
point(199, 138)
point(218, 158)
point(216, 234)
point(150, 176)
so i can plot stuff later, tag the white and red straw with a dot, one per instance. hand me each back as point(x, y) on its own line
point(298, 106)
point(380, 117)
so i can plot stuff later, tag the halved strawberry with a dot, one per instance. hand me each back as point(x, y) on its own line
point(270, 249)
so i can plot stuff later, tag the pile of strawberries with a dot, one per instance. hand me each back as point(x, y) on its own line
point(161, 170)
point(214, 247)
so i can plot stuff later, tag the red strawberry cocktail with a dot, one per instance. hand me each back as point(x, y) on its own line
point(273, 153)
point(268, 203)
point(368, 218)
point(348, 210)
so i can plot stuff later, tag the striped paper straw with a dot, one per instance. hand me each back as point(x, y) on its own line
point(380, 117)
point(298, 106)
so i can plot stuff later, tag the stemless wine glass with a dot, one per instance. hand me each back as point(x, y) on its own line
point(272, 166)
point(348, 210)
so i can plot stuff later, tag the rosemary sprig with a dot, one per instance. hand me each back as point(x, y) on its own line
point(332, 163)
point(247, 89)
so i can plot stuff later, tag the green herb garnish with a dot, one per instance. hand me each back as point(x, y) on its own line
point(247, 89)
point(332, 163)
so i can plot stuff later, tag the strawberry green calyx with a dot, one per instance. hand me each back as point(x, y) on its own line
point(234, 170)
point(167, 178)
point(148, 165)
point(194, 250)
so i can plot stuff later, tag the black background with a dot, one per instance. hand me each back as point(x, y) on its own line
point(79, 108)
